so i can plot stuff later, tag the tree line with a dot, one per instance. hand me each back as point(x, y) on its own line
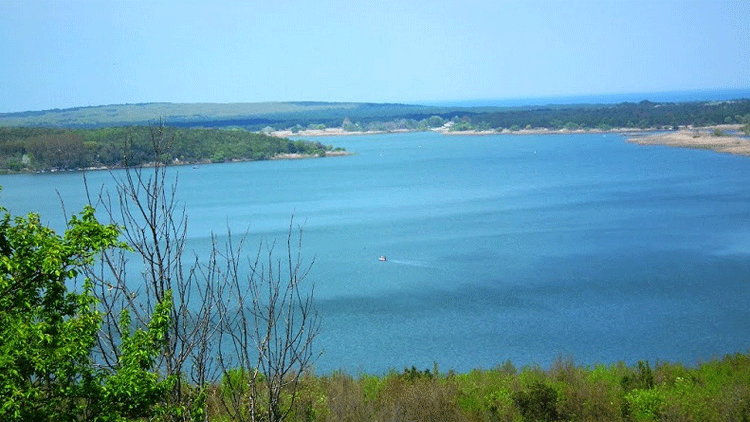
point(388, 117)
point(250, 116)
point(643, 115)
point(47, 149)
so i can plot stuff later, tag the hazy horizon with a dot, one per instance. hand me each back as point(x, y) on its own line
point(65, 54)
point(670, 96)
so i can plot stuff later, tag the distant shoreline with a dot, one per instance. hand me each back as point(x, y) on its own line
point(197, 164)
point(721, 138)
point(445, 130)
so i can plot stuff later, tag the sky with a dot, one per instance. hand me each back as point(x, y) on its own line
point(73, 53)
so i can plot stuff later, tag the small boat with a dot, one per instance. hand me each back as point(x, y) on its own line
point(382, 258)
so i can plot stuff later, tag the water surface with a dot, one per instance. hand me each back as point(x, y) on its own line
point(499, 247)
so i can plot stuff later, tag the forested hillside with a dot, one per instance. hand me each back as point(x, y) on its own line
point(251, 116)
point(642, 115)
point(48, 149)
point(385, 117)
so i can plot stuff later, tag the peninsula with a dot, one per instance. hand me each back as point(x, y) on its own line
point(721, 138)
point(35, 149)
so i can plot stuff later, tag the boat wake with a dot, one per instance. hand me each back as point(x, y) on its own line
point(412, 263)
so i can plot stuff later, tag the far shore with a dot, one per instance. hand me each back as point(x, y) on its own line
point(721, 138)
point(445, 130)
point(197, 164)
point(296, 156)
point(332, 131)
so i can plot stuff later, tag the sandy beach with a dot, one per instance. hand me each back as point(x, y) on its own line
point(297, 156)
point(534, 131)
point(445, 130)
point(333, 131)
point(701, 138)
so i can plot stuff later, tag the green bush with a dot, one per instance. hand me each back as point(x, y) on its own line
point(644, 405)
point(538, 403)
point(47, 372)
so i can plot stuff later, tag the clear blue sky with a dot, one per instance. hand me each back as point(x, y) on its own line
point(60, 54)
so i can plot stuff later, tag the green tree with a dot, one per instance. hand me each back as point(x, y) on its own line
point(135, 389)
point(435, 121)
point(746, 123)
point(49, 328)
point(348, 126)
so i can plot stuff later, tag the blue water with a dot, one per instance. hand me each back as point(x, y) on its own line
point(499, 247)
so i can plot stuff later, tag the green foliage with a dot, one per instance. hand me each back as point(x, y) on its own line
point(641, 378)
point(52, 149)
point(68, 149)
point(135, 389)
point(310, 403)
point(461, 126)
point(434, 121)
point(412, 374)
point(46, 368)
point(538, 403)
point(348, 126)
point(237, 381)
point(251, 116)
point(372, 386)
point(270, 116)
point(643, 115)
point(644, 405)
point(47, 331)
point(715, 391)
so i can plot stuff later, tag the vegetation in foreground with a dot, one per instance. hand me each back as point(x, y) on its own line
point(714, 391)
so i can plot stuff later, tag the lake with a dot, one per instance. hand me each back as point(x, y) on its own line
point(499, 247)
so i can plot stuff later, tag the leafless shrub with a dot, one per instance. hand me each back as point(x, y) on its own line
point(259, 323)
point(267, 324)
